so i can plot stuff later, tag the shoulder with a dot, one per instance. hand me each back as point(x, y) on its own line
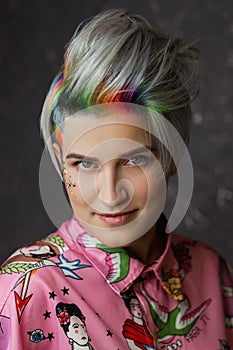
point(39, 257)
point(180, 244)
point(195, 257)
point(201, 254)
point(50, 246)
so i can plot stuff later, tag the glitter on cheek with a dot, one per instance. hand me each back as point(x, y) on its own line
point(70, 186)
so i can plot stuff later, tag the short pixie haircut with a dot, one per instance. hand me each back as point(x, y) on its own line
point(118, 56)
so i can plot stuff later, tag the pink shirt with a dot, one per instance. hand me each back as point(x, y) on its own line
point(69, 291)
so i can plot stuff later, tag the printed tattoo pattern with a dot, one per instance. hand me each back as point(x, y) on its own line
point(176, 326)
point(116, 259)
point(135, 330)
point(183, 257)
point(171, 283)
point(27, 260)
point(175, 322)
point(109, 333)
point(73, 323)
point(37, 335)
point(47, 314)
point(56, 239)
point(180, 320)
point(173, 278)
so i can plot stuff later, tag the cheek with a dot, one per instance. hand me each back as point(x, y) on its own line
point(76, 331)
point(70, 182)
point(140, 185)
point(74, 194)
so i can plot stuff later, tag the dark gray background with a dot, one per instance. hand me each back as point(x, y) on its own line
point(32, 39)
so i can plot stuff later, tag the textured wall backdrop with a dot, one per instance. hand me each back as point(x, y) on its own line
point(32, 39)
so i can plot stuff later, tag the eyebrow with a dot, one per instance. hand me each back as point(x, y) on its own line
point(124, 155)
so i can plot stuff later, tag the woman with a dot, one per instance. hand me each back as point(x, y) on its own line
point(72, 321)
point(116, 122)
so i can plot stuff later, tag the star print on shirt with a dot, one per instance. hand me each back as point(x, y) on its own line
point(65, 291)
point(46, 314)
point(50, 336)
point(109, 333)
point(52, 295)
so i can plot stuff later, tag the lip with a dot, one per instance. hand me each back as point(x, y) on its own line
point(116, 219)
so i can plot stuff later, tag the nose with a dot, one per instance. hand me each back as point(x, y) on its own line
point(106, 183)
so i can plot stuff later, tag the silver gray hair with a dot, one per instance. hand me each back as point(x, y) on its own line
point(118, 56)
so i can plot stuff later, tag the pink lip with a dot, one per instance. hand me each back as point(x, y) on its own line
point(115, 219)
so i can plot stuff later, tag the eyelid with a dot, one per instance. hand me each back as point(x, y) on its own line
point(82, 161)
point(146, 155)
point(144, 158)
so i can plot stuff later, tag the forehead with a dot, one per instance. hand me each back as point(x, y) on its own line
point(83, 132)
point(75, 319)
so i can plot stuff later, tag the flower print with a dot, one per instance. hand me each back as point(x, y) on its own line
point(172, 284)
point(184, 259)
point(64, 317)
point(36, 336)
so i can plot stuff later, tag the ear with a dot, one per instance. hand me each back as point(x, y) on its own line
point(58, 154)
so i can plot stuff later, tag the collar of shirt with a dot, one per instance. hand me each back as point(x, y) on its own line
point(120, 270)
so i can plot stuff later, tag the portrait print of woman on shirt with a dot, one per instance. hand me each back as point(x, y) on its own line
point(72, 321)
point(135, 330)
point(38, 251)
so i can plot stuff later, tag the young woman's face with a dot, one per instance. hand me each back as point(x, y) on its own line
point(77, 331)
point(115, 184)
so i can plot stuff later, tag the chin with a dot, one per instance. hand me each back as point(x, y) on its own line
point(116, 243)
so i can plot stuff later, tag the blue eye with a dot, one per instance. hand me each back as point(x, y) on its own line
point(85, 164)
point(138, 160)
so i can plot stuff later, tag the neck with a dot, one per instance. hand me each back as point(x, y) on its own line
point(138, 321)
point(75, 346)
point(150, 247)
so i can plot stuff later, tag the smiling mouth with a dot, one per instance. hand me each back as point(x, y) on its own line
point(118, 218)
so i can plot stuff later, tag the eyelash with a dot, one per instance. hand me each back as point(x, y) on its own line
point(77, 164)
point(145, 160)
